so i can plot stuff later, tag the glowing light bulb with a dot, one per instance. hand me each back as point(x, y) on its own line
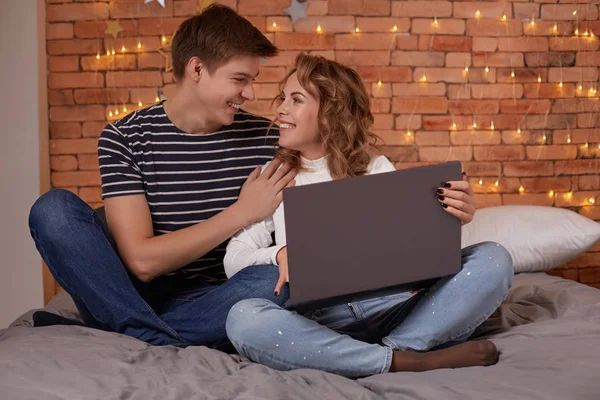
point(424, 78)
point(569, 139)
point(98, 56)
point(466, 69)
point(496, 183)
point(586, 145)
point(532, 22)
point(157, 99)
point(474, 124)
point(579, 87)
point(487, 69)
point(107, 52)
point(577, 31)
point(492, 126)
point(591, 34)
point(274, 24)
point(544, 138)
point(116, 112)
point(379, 83)
point(395, 28)
point(319, 28)
point(555, 28)
point(570, 194)
point(139, 46)
point(512, 74)
point(140, 103)
point(112, 52)
point(575, 12)
point(480, 181)
point(408, 133)
point(586, 33)
point(539, 78)
point(504, 17)
point(551, 193)
point(477, 14)
point(110, 114)
point(164, 39)
point(357, 30)
point(592, 200)
point(519, 131)
point(591, 90)
point(560, 84)
point(454, 126)
point(521, 189)
point(124, 109)
point(435, 21)
point(123, 49)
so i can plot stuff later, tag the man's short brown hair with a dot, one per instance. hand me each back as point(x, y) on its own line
point(216, 36)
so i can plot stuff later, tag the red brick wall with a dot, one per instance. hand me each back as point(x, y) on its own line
point(529, 87)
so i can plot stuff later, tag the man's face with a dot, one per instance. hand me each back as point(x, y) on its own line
point(223, 92)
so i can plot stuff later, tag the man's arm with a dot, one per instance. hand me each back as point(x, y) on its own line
point(148, 256)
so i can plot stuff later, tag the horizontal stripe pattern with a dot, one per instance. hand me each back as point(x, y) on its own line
point(186, 178)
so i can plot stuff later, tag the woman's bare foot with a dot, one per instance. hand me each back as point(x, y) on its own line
point(469, 354)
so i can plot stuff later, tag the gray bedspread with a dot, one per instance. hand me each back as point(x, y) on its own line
point(548, 332)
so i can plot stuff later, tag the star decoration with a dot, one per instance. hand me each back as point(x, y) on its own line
point(161, 2)
point(113, 28)
point(296, 10)
point(202, 4)
point(162, 51)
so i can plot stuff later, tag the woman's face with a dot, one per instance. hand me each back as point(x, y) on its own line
point(298, 120)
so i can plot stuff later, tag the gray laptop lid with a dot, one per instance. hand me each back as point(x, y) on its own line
point(367, 236)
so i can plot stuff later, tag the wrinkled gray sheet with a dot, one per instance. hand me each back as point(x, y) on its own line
point(548, 332)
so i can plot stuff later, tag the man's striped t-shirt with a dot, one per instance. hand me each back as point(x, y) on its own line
point(186, 178)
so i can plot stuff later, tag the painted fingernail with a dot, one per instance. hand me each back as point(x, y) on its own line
point(444, 205)
point(441, 197)
point(440, 191)
point(447, 185)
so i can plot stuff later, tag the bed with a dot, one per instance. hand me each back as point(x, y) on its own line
point(547, 330)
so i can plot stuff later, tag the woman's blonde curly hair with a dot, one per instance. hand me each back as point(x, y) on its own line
point(344, 117)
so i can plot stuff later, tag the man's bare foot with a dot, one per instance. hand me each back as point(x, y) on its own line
point(469, 354)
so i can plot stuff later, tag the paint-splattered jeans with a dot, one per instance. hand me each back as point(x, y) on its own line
point(357, 339)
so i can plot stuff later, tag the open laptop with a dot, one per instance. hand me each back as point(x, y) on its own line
point(369, 236)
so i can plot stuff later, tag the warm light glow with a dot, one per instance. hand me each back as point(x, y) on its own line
point(591, 34)
point(492, 126)
point(569, 139)
point(560, 84)
point(454, 126)
point(274, 24)
point(555, 28)
point(117, 112)
point(123, 49)
point(466, 69)
point(521, 189)
point(357, 30)
point(157, 99)
point(124, 109)
point(408, 133)
point(539, 78)
point(164, 39)
point(477, 14)
point(480, 181)
point(98, 56)
point(586, 33)
point(512, 74)
point(577, 31)
point(474, 124)
point(435, 21)
point(487, 69)
point(544, 138)
point(110, 114)
point(424, 78)
point(140, 103)
point(519, 131)
point(591, 90)
point(504, 17)
point(592, 200)
point(551, 193)
point(112, 52)
point(586, 145)
point(570, 194)
point(379, 83)
point(139, 46)
point(319, 28)
point(496, 183)
point(532, 22)
point(395, 28)
point(575, 12)
point(579, 87)
point(107, 52)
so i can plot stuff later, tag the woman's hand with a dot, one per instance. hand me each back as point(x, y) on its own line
point(284, 277)
point(457, 198)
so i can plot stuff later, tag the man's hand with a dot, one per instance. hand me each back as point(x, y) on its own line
point(284, 277)
point(457, 198)
point(262, 193)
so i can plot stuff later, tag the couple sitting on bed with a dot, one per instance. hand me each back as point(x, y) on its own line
point(183, 176)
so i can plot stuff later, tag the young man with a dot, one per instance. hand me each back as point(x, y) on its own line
point(178, 179)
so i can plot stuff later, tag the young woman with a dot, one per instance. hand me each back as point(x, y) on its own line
point(324, 121)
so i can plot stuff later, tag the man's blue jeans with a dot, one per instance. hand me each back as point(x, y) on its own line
point(81, 255)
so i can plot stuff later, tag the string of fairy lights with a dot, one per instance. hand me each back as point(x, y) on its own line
point(582, 30)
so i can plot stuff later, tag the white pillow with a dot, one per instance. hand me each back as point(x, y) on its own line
point(538, 238)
